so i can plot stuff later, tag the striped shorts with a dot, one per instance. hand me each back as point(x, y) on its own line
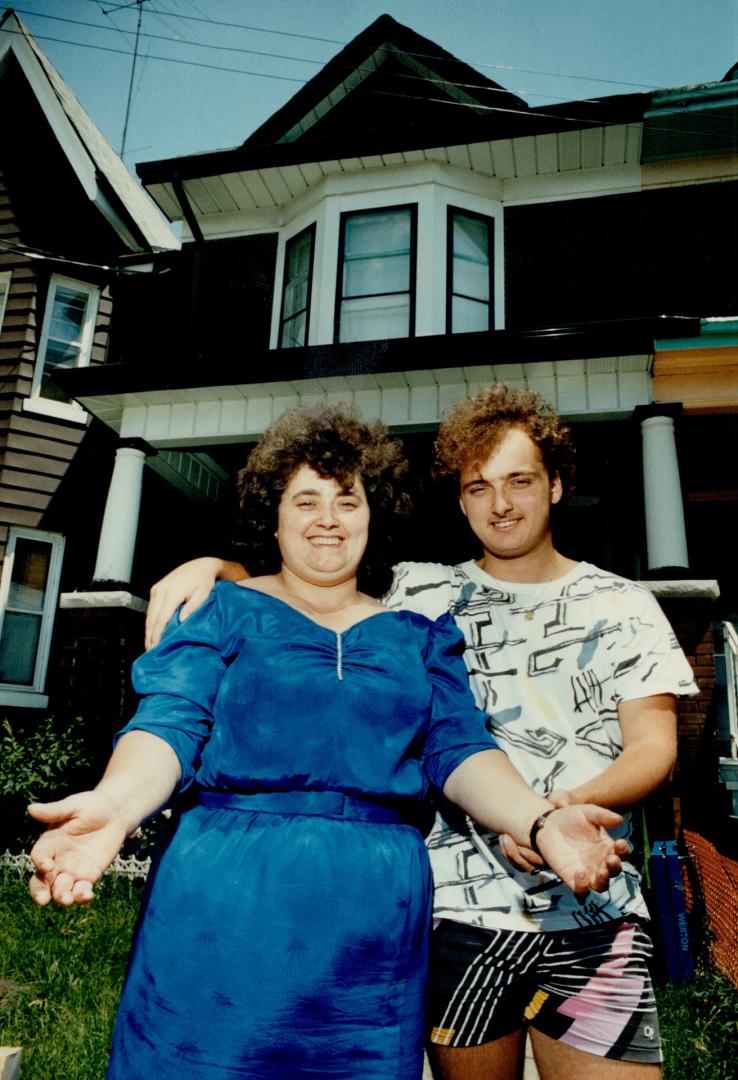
point(589, 988)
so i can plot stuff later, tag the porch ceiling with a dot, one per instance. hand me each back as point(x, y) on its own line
point(404, 400)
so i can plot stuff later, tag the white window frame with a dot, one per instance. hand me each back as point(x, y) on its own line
point(47, 405)
point(13, 693)
point(5, 277)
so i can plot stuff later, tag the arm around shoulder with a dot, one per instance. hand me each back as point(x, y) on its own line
point(189, 585)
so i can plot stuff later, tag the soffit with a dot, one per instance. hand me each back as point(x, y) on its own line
point(525, 157)
point(594, 387)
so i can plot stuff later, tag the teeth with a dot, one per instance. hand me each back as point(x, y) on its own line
point(325, 541)
point(503, 524)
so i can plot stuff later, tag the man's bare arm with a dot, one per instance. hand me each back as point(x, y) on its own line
point(648, 727)
point(189, 584)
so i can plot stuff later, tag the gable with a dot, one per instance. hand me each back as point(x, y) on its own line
point(388, 78)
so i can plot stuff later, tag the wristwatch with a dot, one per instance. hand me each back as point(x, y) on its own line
point(536, 828)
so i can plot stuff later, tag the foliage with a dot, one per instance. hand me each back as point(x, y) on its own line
point(38, 760)
point(33, 760)
point(61, 971)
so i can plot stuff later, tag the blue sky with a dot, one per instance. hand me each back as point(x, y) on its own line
point(184, 100)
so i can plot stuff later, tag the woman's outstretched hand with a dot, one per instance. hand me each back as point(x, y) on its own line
point(85, 832)
point(576, 845)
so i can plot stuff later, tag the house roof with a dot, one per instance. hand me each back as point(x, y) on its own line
point(391, 91)
point(99, 170)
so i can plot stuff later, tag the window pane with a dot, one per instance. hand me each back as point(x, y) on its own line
point(293, 331)
point(58, 355)
point(68, 315)
point(295, 298)
point(18, 646)
point(471, 257)
point(368, 275)
point(471, 238)
point(30, 574)
point(378, 234)
point(377, 253)
point(471, 279)
point(468, 315)
point(374, 318)
point(298, 257)
point(293, 325)
point(61, 354)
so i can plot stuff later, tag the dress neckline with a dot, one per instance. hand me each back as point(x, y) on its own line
point(303, 615)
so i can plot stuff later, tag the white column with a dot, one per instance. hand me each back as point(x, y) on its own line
point(120, 521)
point(666, 536)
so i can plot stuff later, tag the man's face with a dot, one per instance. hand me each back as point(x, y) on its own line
point(507, 498)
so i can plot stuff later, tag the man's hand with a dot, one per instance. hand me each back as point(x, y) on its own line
point(190, 585)
point(576, 846)
point(85, 834)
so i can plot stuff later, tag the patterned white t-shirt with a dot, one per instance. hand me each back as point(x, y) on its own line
point(549, 664)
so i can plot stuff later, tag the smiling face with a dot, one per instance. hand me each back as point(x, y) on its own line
point(322, 528)
point(507, 500)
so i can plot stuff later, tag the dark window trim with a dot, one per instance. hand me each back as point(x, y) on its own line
point(489, 221)
point(311, 229)
point(413, 208)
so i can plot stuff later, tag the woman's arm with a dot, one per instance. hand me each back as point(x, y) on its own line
point(86, 831)
point(189, 584)
point(573, 840)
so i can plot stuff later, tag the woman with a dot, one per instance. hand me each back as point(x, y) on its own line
point(284, 930)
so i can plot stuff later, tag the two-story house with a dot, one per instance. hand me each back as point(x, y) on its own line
point(405, 230)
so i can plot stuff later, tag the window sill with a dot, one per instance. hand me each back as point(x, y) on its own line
point(23, 699)
point(59, 410)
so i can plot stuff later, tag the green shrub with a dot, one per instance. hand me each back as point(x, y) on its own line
point(39, 760)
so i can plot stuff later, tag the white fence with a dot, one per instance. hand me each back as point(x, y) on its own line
point(130, 867)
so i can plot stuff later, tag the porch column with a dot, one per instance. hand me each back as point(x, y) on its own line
point(666, 535)
point(120, 521)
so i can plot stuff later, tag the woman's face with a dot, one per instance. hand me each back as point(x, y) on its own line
point(322, 528)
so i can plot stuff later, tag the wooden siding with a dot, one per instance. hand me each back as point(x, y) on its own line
point(705, 380)
point(35, 450)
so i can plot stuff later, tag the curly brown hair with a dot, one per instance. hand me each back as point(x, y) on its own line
point(335, 442)
point(472, 430)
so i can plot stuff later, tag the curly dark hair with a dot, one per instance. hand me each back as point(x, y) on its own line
point(472, 430)
point(335, 442)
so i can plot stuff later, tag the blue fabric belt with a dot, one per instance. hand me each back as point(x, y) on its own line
point(319, 803)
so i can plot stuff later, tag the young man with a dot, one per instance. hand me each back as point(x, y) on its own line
point(578, 671)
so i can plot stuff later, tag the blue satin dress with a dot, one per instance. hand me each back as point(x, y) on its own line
point(290, 940)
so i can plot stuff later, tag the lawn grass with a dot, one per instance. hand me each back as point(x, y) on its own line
point(61, 972)
point(60, 977)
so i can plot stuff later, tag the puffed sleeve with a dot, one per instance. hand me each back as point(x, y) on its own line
point(178, 681)
point(457, 728)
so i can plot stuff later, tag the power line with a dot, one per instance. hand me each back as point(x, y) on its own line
point(334, 41)
point(278, 56)
point(478, 106)
point(173, 40)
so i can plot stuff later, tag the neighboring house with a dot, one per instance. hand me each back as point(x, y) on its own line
point(71, 216)
point(405, 230)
